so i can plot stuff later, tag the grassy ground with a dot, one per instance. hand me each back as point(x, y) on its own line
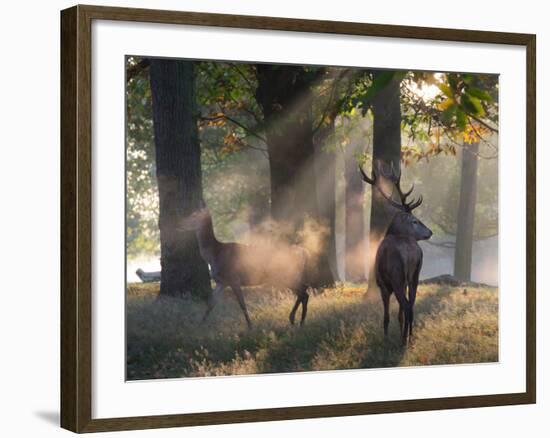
point(343, 331)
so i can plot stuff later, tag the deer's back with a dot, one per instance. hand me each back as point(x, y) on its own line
point(255, 265)
point(398, 260)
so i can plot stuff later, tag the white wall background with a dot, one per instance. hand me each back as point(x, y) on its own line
point(29, 188)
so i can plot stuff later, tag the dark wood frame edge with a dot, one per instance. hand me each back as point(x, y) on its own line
point(76, 342)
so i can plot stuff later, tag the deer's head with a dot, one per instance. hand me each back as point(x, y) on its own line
point(196, 220)
point(404, 222)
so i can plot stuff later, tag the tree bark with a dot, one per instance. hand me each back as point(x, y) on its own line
point(178, 169)
point(285, 97)
point(386, 107)
point(355, 245)
point(466, 212)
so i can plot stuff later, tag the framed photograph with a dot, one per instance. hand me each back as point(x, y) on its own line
point(269, 219)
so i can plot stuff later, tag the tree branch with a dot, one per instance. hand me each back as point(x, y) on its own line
point(241, 74)
point(235, 122)
point(481, 122)
point(419, 105)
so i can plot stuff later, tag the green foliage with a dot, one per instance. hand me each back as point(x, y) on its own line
point(343, 331)
point(366, 86)
point(471, 96)
point(464, 110)
point(230, 119)
point(141, 188)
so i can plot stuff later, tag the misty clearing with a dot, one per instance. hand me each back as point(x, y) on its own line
point(286, 218)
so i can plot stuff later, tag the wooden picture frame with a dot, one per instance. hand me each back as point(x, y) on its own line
point(76, 217)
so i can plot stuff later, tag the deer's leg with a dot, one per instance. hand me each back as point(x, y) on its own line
point(213, 300)
point(240, 298)
point(404, 313)
point(401, 320)
point(292, 315)
point(302, 297)
point(413, 285)
point(385, 293)
point(412, 298)
point(305, 299)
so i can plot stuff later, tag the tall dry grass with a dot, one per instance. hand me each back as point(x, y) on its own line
point(343, 331)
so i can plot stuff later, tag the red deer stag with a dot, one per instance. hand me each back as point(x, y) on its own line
point(236, 265)
point(399, 256)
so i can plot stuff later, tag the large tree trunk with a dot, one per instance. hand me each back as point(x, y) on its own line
point(386, 107)
point(325, 177)
point(178, 168)
point(466, 213)
point(285, 98)
point(355, 245)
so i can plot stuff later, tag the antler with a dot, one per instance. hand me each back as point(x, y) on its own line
point(374, 181)
point(395, 177)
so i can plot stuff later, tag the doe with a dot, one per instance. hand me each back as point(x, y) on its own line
point(236, 265)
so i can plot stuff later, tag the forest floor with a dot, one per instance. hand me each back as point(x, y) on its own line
point(343, 330)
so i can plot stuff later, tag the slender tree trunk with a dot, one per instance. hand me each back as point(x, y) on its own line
point(285, 98)
point(386, 107)
point(466, 213)
point(355, 244)
point(178, 169)
point(326, 189)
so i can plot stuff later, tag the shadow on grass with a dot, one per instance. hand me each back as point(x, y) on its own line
point(348, 337)
point(165, 339)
